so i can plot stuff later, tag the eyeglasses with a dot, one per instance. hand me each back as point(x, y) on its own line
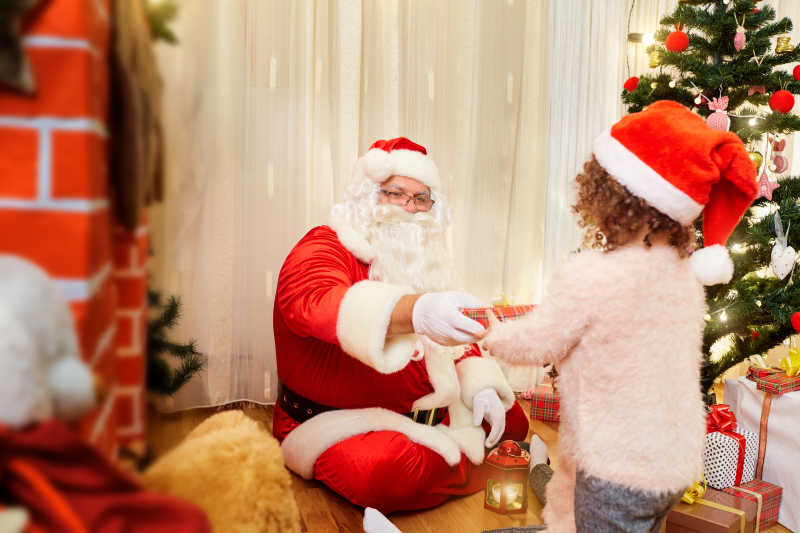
point(422, 202)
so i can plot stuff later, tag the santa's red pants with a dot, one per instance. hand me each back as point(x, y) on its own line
point(387, 471)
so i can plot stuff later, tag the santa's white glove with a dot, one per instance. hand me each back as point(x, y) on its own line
point(486, 404)
point(438, 315)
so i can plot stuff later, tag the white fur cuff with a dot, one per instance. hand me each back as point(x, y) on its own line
point(478, 373)
point(305, 443)
point(364, 316)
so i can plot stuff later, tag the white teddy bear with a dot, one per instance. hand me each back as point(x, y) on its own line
point(42, 373)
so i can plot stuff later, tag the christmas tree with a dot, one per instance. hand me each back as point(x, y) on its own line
point(161, 377)
point(721, 60)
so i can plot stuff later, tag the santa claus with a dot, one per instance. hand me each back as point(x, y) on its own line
point(379, 397)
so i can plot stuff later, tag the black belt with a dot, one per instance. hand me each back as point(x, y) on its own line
point(301, 409)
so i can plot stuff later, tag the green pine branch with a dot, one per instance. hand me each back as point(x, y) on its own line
point(751, 314)
point(162, 378)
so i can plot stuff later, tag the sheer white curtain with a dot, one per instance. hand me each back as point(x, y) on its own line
point(269, 103)
point(587, 69)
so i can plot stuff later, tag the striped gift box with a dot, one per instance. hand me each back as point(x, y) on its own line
point(502, 312)
point(773, 380)
point(769, 494)
point(545, 403)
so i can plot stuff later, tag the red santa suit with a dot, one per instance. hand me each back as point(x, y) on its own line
point(330, 324)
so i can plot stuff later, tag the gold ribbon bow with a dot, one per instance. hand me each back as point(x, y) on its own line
point(696, 491)
point(791, 363)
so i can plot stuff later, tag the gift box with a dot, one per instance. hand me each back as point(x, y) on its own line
point(502, 312)
point(765, 495)
point(545, 403)
point(773, 380)
point(730, 453)
point(776, 418)
point(715, 512)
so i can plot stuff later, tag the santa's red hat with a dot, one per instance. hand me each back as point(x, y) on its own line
point(669, 157)
point(398, 157)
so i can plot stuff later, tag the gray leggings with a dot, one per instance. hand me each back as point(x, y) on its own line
point(605, 507)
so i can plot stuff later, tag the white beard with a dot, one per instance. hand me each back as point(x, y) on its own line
point(409, 249)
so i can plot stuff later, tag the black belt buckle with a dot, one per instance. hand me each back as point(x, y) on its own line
point(429, 417)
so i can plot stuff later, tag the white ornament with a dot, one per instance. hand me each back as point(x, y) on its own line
point(783, 255)
point(720, 458)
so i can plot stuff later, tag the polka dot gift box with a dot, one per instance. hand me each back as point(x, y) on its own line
point(730, 453)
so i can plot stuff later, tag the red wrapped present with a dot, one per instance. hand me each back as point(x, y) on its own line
point(545, 403)
point(758, 372)
point(766, 496)
point(773, 380)
point(730, 453)
point(502, 312)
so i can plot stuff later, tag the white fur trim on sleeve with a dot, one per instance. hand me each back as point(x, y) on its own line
point(364, 316)
point(304, 444)
point(712, 265)
point(469, 437)
point(478, 373)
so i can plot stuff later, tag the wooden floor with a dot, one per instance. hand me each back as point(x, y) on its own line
point(323, 511)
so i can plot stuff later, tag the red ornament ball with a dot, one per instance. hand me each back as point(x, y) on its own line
point(796, 321)
point(755, 335)
point(782, 101)
point(677, 41)
point(631, 84)
point(796, 73)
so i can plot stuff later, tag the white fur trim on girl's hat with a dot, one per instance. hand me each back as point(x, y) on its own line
point(669, 157)
point(398, 157)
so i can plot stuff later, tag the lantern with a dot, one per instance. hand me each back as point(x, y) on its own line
point(507, 479)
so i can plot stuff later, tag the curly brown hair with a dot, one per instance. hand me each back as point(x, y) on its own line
point(613, 216)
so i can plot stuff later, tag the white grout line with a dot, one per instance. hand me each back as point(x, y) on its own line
point(90, 125)
point(129, 352)
point(100, 423)
point(50, 41)
point(44, 169)
point(130, 273)
point(136, 428)
point(78, 289)
point(66, 205)
point(103, 343)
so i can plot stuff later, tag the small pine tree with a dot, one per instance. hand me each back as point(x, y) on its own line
point(752, 313)
point(161, 377)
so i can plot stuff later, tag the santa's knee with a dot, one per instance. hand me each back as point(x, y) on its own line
point(402, 478)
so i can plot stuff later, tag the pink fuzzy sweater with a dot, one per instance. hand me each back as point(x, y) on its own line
point(625, 330)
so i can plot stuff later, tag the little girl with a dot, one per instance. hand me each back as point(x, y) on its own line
point(624, 322)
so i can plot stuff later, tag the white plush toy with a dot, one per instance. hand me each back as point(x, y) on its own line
point(42, 373)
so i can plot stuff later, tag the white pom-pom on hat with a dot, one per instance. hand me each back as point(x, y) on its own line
point(712, 265)
point(377, 165)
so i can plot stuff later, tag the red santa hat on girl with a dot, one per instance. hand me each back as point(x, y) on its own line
point(398, 157)
point(669, 157)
